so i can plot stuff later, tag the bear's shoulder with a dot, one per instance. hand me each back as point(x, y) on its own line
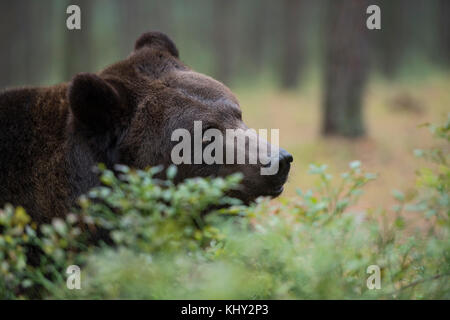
point(19, 105)
point(15, 104)
point(16, 96)
point(15, 120)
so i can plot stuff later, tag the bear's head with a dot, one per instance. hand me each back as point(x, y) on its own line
point(151, 109)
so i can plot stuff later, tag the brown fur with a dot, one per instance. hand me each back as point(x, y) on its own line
point(50, 138)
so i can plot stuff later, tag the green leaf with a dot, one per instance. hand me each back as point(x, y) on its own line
point(355, 165)
point(398, 195)
point(171, 172)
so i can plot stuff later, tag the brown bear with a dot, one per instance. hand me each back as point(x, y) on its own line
point(51, 138)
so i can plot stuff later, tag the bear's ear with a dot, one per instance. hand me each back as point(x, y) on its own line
point(95, 103)
point(156, 40)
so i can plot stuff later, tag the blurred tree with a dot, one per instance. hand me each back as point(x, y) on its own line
point(222, 38)
point(40, 40)
point(130, 17)
point(389, 43)
point(161, 16)
point(19, 39)
point(346, 68)
point(6, 33)
point(78, 55)
point(254, 44)
point(228, 39)
point(444, 30)
point(293, 42)
point(139, 16)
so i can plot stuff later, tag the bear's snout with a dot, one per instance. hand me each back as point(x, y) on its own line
point(278, 180)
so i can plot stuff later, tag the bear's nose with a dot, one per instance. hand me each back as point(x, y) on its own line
point(285, 160)
point(285, 156)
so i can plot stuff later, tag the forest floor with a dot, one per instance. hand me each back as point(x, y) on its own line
point(393, 114)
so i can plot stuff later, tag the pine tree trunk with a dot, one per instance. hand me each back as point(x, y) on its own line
point(256, 25)
point(78, 56)
point(293, 51)
point(444, 31)
point(6, 32)
point(222, 34)
point(346, 68)
point(391, 39)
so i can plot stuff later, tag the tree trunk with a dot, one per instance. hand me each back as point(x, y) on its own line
point(293, 51)
point(7, 11)
point(444, 31)
point(139, 16)
point(257, 31)
point(391, 39)
point(222, 33)
point(78, 55)
point(130, 19)
point(39, 50)
point(346, 68)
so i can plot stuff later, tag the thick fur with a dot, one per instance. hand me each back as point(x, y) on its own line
point(51, 138)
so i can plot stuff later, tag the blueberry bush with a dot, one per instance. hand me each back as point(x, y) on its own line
point(139, 237)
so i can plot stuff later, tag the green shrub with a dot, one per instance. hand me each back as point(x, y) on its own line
point(161, 244)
